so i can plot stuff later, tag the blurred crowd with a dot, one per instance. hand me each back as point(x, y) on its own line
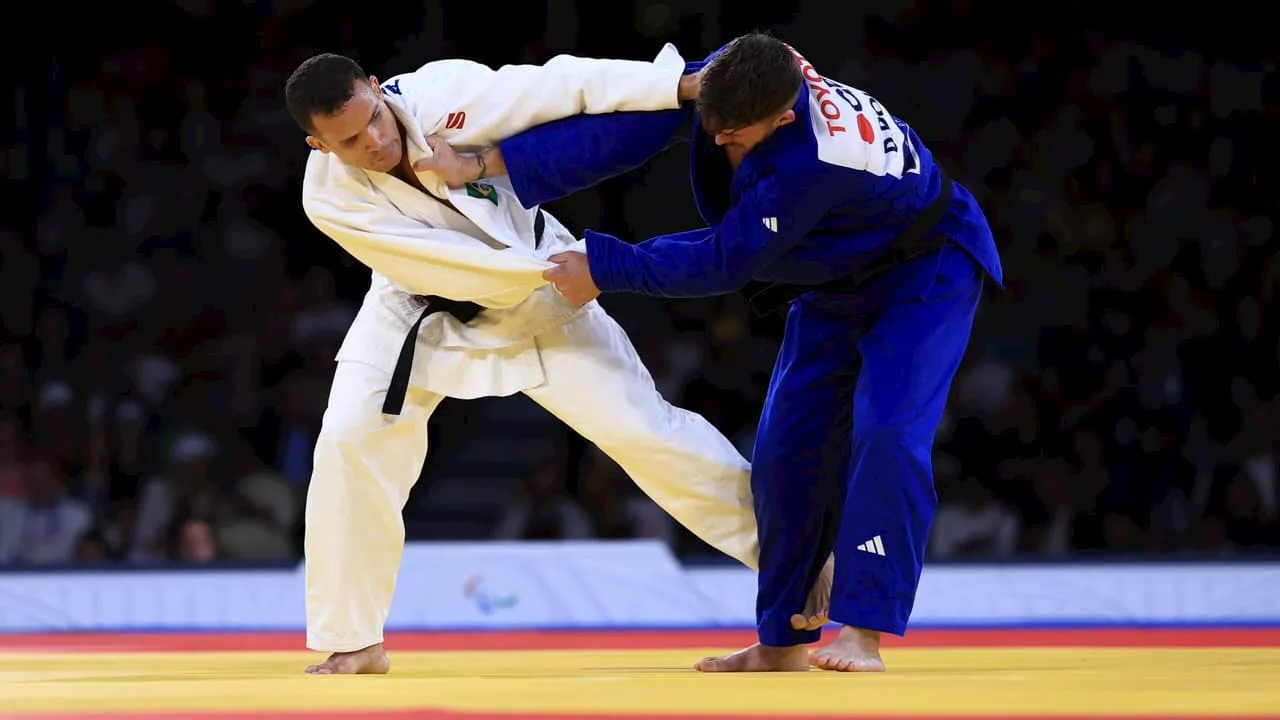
point(167, 327)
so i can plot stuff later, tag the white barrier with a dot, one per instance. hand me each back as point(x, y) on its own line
point(1063, 594)
point(455, 586)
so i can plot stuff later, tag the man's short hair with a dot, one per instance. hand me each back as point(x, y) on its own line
point(322, 85)
point(753, 78)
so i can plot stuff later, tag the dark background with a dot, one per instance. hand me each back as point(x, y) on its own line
point(168, 317)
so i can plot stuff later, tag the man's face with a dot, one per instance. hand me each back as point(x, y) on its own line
point(364, 133)
point(738, 142)
point(197, 544)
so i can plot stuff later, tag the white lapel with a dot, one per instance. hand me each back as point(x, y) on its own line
point(486, 204)
point(431, 212)
point(490, 207)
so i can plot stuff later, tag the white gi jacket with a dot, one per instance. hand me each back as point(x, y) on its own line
point(485, 252)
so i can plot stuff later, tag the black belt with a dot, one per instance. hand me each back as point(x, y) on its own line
point(464, 310)
point(912, 242)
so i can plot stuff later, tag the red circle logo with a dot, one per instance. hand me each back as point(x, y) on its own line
point(865, 129)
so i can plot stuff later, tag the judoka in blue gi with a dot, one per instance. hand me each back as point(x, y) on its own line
point(812, 186)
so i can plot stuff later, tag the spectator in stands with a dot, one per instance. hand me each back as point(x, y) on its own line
point(44, 528)
point(93, 486)
point(265, 511)
point(56, 427)
point(191, 540)
point(289, 427)
point(1247, 527)
point(187, 486)
point(131, 448)
point(92, 549)
point(617, 510)
point(970, 520)
point(546, 511)
point(13, 483)
point(15, 382)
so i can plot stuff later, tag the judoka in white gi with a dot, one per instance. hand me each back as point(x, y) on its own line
point(458, 308)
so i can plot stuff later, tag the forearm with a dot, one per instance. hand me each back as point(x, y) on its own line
point(557, 159)
point(761, 227)
point(485, 162)
point(681, 265)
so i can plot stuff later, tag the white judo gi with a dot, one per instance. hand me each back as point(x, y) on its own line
point(575, 362)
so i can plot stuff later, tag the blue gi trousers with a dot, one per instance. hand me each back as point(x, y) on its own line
point(843, 454)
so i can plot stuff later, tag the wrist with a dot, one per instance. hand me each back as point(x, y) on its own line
point(689, 86)
point(602, 258)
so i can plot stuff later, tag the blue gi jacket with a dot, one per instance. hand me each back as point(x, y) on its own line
point(818, 199)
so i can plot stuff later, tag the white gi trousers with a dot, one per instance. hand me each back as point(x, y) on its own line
point(367, 462)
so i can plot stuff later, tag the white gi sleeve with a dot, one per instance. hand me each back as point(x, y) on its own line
point(471, 104)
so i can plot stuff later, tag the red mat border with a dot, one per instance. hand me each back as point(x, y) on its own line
point(460, 715)
point(638, 640)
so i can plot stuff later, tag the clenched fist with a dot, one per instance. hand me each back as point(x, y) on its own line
point(572, 277)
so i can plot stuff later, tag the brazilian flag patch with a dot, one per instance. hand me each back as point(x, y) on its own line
point(483, 191)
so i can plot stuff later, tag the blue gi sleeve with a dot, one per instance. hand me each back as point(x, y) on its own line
point(770, 218)
point(559, 158)
point(556, 159)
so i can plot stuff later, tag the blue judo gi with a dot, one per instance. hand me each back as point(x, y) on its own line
point(843, 452)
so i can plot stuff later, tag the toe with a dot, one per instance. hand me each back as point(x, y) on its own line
point(725, 663)
point(826, 662)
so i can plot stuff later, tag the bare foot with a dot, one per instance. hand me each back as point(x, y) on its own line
point(853, 650)
point(817, 606)
point(369, 661)
point(759, 658)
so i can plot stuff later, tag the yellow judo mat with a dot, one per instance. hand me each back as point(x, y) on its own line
point(118, 680)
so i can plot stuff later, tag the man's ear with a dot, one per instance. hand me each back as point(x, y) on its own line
point(377, 89)
point(785, 118)
point(316, 144)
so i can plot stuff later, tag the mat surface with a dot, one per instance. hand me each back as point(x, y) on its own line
point(583, 676)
